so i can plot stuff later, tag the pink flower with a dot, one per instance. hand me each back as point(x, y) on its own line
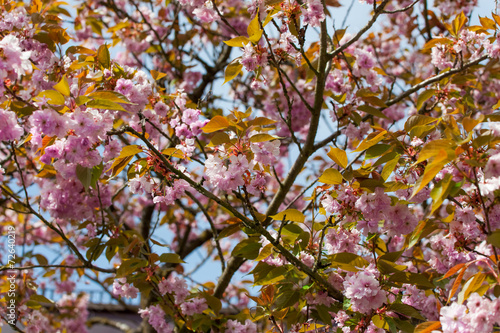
point(234, 326)
point(314, 13)
point(195, 305)
point(156, 318)
point(330, 205)
point(307, 259)
point(9, 128)
point(175, 286)
point(339, 240)
point(364, 291)
point(206, 13)
point(266, 153)
point(14, 57)
point(252, 59)
point(492, 168)
point(123, 289)
point(453, 318)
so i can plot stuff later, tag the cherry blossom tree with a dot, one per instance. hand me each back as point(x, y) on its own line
point(354, 176)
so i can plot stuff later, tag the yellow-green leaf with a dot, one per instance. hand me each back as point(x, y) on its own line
point(261, 121)
point(440, 192)
point(63, 86)
point(473, 284)
point(103, 56)
point(331, 176)
point(53, 97)
point(433, 42)
point(338, 156)
point(470, 123)
point(289, 215)
point(262, 137)
point(239, 41)
point(104, 104)
point(130, 150)
point(380, 322)
point(232, 70)
point(424, 97)
point(370, 141)
point(494, 239)
point(427, 327)
point(431, 170)
point(458, 23)
point(157, 75)
point(487, 23)
point(253, 30)
point(418, 120)
point(215, 124)
point(110, 96)
point(172, 258)
point(348, 261)
point(174, 152)
point(389, 167)
point(436, 148)
point(371, 110)
point(130, 265)
point(219, 139)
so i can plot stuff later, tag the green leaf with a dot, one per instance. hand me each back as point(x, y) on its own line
point(494, 239)
point(84, 175)
point(103, 56)
point(213, 302)
point(406, 310)
point(338, 156)
point(287, 298)
point(274, 275)
point(171, 258)
point(331, 176)
point(217, 123)
point(412, 278)
point(128, 266)
point(247, 248)
point(376, 150)
point(232, 70)
point(63, 86)
point(289, 215)
point(41, 299)
point(371, 110)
